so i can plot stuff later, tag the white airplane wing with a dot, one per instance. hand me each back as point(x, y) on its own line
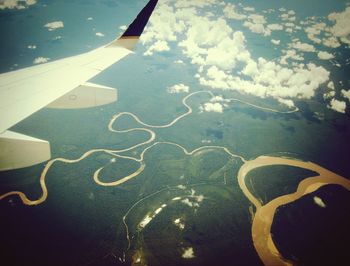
point(58, 84)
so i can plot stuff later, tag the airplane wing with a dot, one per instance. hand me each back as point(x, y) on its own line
point(58, 84)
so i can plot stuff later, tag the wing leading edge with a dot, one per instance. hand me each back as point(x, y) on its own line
point(25, 91)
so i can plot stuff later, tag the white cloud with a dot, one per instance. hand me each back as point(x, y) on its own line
point(190, 203)
point(230, 12)
point(179, 223)
point(275, 42)
point(212, 107)
point(289, 30)
point(99, 34)
point(304, 47)
point(178, 88)
point(341, 29)
point(194, 3)
point(316, 28)
point(328, 95)
point(57, 38)
point(338, 106)
point(331, 42)
point(188, 253)
point(179, 62)
point(90, 18)
point(40, 60)
point(218, 98)
point(286, 102)
point(314, 38)
point(163, 25)
point(290, 54)
point(319, 202)
point(123, 27)
point(271, 79)
point(284, 16)
point(324, 55)
point(16, 4)
point(289, 24)
point(275, 26)
point(330, 85)
point(346, 94)
point(32, 47)
point(54, 25)
point(210, 43)
point(249, 9)
point(256, 23)
point(223, 59)
point(158, 46)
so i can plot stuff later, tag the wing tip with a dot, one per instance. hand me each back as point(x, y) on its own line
point(132, 34)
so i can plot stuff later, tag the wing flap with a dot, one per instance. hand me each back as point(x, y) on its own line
point(84, 96)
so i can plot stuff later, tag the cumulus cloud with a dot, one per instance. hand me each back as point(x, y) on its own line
point(337, 105)
point(341, 28)
point(346, 94)
point(212, 107)
point(194, 3)
point(286, 102)
point(275, 42)
point(189, 203)
point(304, 47)
point(214, 43)
point(324, 55)
point(315, 30)
point(223, 59)
point(188, 253)
point(256, 23)
point(319, 202)
point(157, 29)
point(249, 9)
point(330, 85)
point(290, 54)
point(16, 4)
point(40, 60)
point(328, 95)
point(275, 26)
point(99, 34)
point(158, 46)
point(54, 25)
point(57, 38)
point(218, 98)
point(271, 80)
point(230, 12)
point(178, 61)
point(178, 88)
point(32, 47)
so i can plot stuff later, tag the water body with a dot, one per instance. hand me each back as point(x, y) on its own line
point(264, 215)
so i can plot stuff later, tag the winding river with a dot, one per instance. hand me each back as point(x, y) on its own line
point(263, 217)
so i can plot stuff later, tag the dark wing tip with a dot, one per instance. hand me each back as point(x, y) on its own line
point(137, 26)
